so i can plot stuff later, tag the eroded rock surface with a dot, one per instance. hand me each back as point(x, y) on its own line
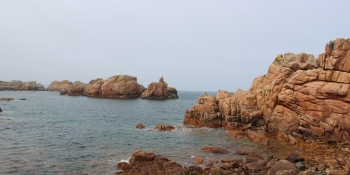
point(119, 86)
point(300, 97)
point(159, 91)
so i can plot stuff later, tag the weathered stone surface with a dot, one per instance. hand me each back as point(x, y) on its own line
point(17, 85)
point(74, 89)
point(119, 86)
point(159, 91)
point(300, 97)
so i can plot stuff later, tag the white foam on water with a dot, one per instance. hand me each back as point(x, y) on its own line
point(125, 160)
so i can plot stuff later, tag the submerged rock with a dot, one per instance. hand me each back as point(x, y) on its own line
point(164, 127)
point(215, 149)
point(159, 91)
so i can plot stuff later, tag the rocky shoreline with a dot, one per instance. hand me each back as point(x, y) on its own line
point(306, 163)
point(302, 101)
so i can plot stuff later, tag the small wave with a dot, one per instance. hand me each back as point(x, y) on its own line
point(125, 160)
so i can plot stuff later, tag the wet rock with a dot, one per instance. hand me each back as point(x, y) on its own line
point(198, 159)
point(215, 149)
point(139, 156)
point(22, 99)
point(237, 134)
point(208, 163)
point(164, 127)
point(260, 137)
point(124, 165)
point(245, 152)
point(294, 158)
point(140, 126)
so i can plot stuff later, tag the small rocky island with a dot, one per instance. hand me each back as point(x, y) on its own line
point(17, 85)
point(159, 91)
point(118, 86)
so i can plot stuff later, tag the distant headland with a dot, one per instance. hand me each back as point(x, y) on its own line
point(17, 85)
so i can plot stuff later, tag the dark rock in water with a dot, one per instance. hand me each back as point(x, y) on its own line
point(215, 149)
point(140, 126)
point(22, 99)
point(0, 110)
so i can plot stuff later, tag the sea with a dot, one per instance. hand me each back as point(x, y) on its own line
point(52, 134)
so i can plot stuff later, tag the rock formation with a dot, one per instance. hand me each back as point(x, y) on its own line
point(300, 97)
point(159, 91)
point(17, 85)
point(119, 86)
point(74, 89)
point(59, 85)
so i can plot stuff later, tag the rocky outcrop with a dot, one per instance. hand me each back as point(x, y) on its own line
point(74, 89)
point(59, 86)
point(119, 86)
point(300, 97)
point(159, 91)
point(17, 85)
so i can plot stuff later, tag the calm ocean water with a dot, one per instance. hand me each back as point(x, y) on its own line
point(50, 134)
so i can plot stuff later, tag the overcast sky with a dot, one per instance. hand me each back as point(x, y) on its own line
point(196, 45)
